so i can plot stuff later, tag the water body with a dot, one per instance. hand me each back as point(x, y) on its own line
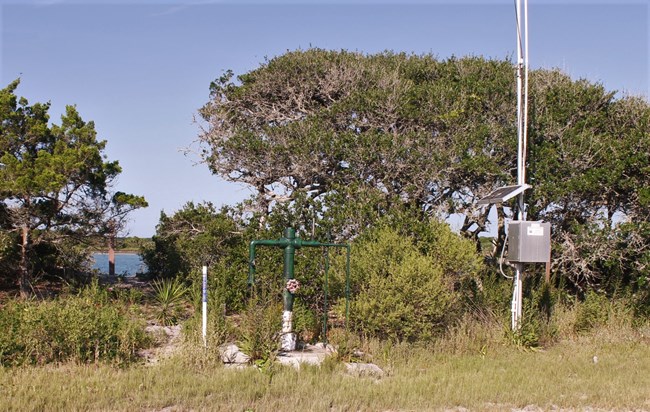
point(126, 264)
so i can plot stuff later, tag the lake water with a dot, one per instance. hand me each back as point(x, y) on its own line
point(128, 264)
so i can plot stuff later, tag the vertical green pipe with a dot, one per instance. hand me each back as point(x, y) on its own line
point(251, 263)
point(325, 310)
point(347, 285)
point(289, 253)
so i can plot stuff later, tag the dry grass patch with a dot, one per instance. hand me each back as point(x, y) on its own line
point(564, 376)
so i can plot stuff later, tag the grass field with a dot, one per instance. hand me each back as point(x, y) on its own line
point(565, 376)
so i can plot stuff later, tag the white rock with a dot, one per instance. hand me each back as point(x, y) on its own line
point(231, 354)
point(364, 369)
point(327, 348)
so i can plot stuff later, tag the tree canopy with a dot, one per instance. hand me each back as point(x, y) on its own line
point(55, 184)
point(352, 136)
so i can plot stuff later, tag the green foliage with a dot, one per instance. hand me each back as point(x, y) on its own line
point(259, 331)
point(55, 185)
point(350, 138)
point(122, 244)
point(404, 285)
point(347, 345)
point(194, 352)
point(593, 312)
point(200, 235)
point(306, 323)
point(218, 327)
point(89, 327)
point(538, 325)
point(169, 295)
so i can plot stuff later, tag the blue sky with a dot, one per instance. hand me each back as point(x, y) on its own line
point(141, 70)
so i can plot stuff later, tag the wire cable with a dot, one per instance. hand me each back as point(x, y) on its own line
point(503, 249)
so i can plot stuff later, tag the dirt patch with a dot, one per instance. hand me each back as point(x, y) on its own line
point(168, 339)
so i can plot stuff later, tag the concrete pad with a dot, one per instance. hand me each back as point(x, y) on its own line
point(309, 354)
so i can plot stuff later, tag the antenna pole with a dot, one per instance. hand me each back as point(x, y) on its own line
point(522, 135)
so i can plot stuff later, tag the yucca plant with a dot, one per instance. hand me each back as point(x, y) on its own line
point(168, 294)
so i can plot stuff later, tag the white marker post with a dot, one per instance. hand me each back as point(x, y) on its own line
point(205, 305)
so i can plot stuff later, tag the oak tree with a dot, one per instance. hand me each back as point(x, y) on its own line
point(360, 135)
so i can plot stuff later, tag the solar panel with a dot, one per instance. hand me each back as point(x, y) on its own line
point(503, 194)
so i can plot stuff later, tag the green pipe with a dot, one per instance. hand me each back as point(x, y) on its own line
point(289, 242)
point(325, 310)
point(289, 254)
point(252, 255)
point(347, 285)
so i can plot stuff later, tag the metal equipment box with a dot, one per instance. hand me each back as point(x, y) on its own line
point(529, 242)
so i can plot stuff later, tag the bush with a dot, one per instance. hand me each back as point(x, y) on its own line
point(83, 328)
point(219, 330)
point(593, 312)
point(169, 294)
point(200, 235)
point(404, 285)
point(260, 329)
point(306, 323)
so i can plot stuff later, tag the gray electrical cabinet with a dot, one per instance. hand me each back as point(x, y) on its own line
point(529, 242)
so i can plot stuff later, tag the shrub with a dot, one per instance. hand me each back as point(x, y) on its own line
point(305, 322)
point(169, 295)
point(83, 328)
point(594, 311)
point(259, 330)
point(194, 353)
point(218, 331)
point(405, 284)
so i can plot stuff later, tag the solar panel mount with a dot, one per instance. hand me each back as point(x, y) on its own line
point(503, 194)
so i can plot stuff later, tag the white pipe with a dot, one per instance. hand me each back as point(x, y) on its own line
point(522, 137)
point(525, 122)
point(288, 338)
point(519, 95)
point(513, 304)
point(204, 306)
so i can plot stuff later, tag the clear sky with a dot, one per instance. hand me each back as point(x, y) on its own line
point(141, 70)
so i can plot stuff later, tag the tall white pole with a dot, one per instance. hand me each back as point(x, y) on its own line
point(520, 65)
point(522, 120)
point(205, 306)
point(525, 116)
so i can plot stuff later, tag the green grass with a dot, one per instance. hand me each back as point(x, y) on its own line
point(475, 365)
point(563, 376)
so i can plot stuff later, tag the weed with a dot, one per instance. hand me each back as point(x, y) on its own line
point(347, 345)
point(592, 312)
point(259, 330)
point(473, 333)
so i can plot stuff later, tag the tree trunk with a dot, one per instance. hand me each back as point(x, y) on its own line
point(501, 233)
point(111, 254)
point(24, 281)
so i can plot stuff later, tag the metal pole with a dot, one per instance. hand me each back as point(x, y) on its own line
point(525, 98)
point(290, 243)
point(347, 285)
point(325, 308)
point(520, 64)
point(204, 306)
point(251, 263)
point(288, 340)
point(289, 254)
point(522, 117)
